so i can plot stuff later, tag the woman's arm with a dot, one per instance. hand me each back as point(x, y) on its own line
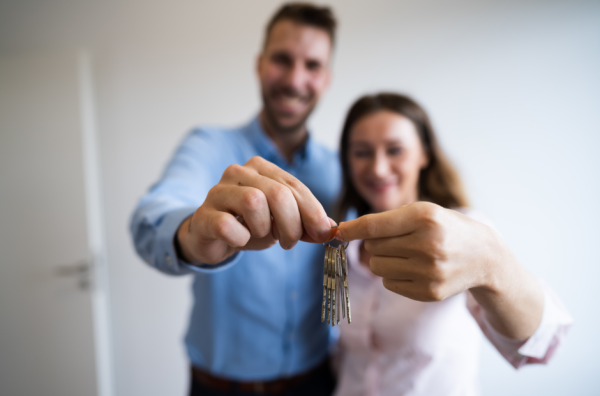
point(429, 253)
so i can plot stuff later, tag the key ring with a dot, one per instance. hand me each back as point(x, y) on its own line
point(336, 294)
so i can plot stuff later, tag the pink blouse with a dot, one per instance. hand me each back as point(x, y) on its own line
point(397, 346)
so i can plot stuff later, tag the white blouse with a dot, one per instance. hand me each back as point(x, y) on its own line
point(397, 346)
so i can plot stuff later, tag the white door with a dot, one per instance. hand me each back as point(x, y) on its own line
point(47, 344)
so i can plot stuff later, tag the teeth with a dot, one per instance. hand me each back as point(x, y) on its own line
point(291, 101)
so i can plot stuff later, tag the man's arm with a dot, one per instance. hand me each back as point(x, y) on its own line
point(188, 176)
point(204, 210)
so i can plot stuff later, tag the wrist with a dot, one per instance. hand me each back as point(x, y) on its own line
point(500, 268)
point(180, 239)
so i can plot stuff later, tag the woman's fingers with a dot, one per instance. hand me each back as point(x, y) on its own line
point(417, 290)
point(394, 268)
point(397, 222)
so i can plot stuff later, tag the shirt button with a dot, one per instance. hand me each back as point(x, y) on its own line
point(294, 295)
point(169, 261)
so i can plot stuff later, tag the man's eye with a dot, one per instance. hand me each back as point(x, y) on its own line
point(281, 59)
point(313, 66)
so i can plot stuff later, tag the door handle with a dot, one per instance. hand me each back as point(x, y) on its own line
point(80, 269)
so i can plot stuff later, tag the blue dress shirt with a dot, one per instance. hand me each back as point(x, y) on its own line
point(256, 316)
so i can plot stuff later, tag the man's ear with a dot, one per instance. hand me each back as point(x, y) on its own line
point(328, 77)
point(259, 60)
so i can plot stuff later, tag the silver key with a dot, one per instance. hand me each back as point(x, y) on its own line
point(325, 277)
point(336, 296)
point(345, 276)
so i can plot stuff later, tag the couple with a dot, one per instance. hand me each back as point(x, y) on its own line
point(246, 211)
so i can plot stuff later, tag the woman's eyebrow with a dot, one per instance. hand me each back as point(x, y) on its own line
point(359, 143)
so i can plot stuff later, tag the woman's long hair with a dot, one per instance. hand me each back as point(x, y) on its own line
point(438, 181)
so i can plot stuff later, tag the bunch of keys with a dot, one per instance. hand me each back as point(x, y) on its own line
point(335, 286)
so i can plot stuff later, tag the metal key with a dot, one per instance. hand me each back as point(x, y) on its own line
point(340, 287)
point(325, 277)
point(345, 276)
point(329, 284)
point(333, 285)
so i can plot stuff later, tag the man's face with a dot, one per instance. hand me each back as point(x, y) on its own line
point(293, 70)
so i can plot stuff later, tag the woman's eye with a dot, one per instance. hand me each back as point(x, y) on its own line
point(361, 153)
point(394, 151)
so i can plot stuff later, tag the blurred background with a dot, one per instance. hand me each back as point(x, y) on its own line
point(95, 96)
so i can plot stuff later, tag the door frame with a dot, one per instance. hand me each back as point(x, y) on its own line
point(95, 226)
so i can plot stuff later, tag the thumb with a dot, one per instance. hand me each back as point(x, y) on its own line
point(379, 225)
point(308, 238)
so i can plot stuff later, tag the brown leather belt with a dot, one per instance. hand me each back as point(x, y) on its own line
point(274, 387)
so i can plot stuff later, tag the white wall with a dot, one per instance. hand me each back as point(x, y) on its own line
point(513, 89)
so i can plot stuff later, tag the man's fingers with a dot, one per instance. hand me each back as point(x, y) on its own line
point(332, 231)
point(313, 217)
point(248, 203)
point(401, 221)
point(222, 226)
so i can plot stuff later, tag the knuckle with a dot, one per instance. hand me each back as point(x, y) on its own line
point(437, 272)
point(233, 171)
point(368, 244)
point(435, 292)
point(436, 249)
point(253, 200)
point(375, 266)
point(222, 227)
point(212, 193)
point(256, 160)
point(428, 214)
point(296, 185)
point(370, 227)
point(281, 195)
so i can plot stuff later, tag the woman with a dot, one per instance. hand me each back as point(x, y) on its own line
point(447, 276)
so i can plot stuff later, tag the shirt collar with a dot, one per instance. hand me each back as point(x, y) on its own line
point(267, 149)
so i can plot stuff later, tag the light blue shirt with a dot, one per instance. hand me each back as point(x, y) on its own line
point(256, 316)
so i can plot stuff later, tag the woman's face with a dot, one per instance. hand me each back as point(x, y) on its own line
point(385, 156)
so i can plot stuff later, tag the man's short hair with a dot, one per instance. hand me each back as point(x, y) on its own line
point(305, 14)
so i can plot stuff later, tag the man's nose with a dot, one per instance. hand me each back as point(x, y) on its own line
point(296, 76)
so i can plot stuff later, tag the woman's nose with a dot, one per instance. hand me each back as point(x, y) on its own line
point(381, 166)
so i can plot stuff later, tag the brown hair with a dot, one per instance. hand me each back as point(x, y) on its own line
point(438, 181)
point(305, 14)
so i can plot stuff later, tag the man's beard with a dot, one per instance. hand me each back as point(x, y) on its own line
point(273, 120)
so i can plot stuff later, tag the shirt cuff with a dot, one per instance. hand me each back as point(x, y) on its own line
point(553, 327)
point(171, 262)
point(541, 345)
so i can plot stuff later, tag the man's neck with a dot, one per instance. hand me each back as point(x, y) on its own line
point(288, 142)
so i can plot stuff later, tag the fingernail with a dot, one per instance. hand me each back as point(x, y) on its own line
point(332, 231)
point(338, 235)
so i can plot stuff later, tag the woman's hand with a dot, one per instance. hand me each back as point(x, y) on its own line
point(428, 253)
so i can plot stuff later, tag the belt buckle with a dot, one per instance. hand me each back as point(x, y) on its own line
point(259, 387)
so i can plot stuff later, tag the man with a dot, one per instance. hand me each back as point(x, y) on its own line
point(225, 200)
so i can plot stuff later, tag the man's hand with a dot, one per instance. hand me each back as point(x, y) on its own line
point(251, 208)
point(428, 253)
